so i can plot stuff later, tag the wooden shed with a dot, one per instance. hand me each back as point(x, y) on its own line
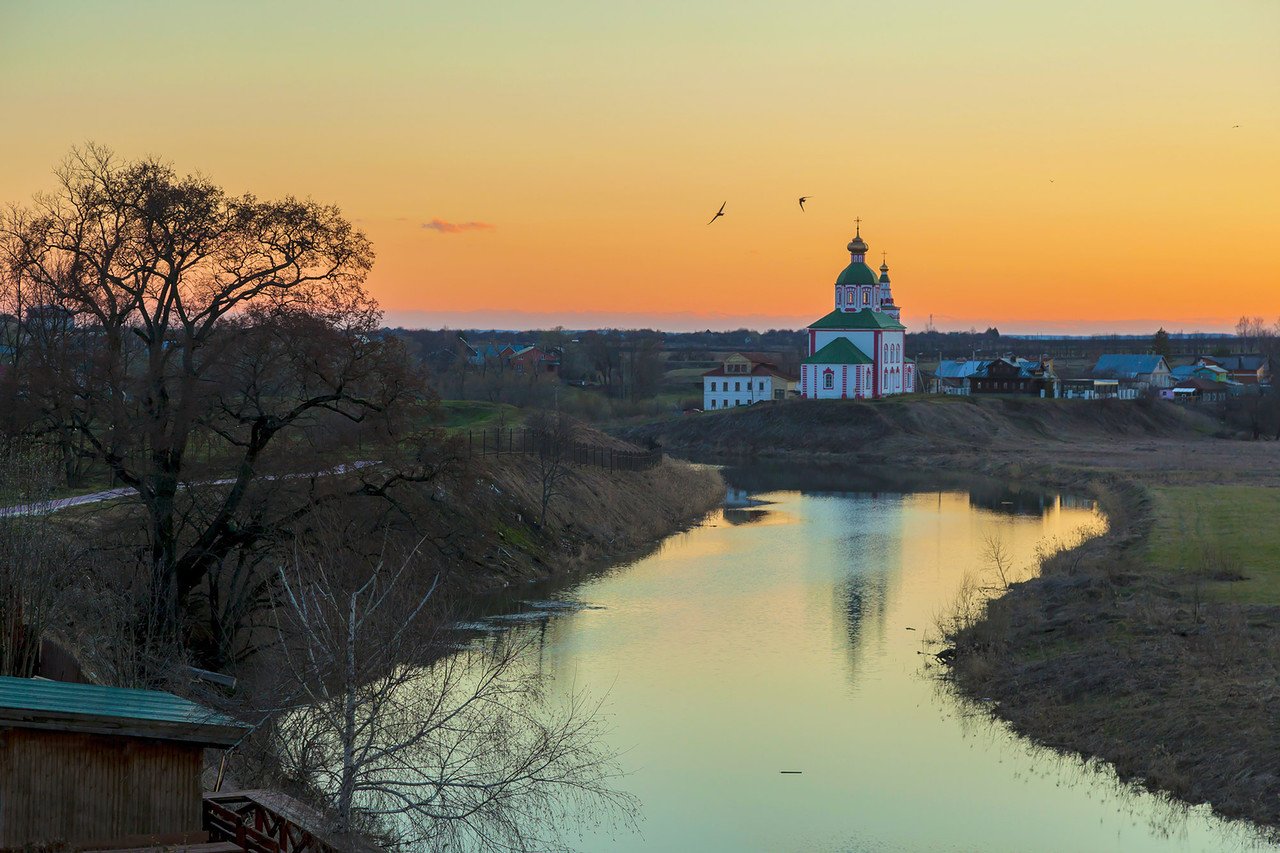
point(89, 766)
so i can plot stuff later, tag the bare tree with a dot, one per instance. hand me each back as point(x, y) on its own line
point(163, 316)
point(554, 434)
point(404, 734)
point(36, 561)
point(998, 559)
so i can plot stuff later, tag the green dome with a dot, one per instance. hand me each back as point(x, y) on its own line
point(857, 273)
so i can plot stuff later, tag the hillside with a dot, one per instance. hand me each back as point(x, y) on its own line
point(918, 425)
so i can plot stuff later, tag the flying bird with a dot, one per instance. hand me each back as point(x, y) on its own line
point(1235, 125)
point(719, 213)
point(803, 199)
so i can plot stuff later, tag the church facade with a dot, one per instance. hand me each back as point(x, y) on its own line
point(857, 351)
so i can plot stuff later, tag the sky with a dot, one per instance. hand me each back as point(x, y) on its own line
point(1040, 167)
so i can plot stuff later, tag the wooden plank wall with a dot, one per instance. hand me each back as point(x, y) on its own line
point(73, 787)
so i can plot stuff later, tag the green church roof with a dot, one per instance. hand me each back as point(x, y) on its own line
point(857, 273)
point(839, 351)
point(864, 319)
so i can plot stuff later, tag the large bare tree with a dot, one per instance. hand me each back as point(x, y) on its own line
point(174, 333)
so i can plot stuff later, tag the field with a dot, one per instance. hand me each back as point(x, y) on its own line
point(477, 414)
point(1225, 534)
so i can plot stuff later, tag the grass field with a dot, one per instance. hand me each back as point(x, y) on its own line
point(476, 414)
point(1221, 531)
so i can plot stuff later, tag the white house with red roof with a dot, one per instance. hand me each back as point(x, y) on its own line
point(743, 379)
point(858, 350)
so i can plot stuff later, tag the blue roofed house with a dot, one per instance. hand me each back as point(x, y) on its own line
point(1134, 373)
point(953, 375)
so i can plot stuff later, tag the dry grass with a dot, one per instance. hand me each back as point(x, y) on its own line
point(1107, 655)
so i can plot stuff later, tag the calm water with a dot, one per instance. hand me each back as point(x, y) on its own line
point(776, 636)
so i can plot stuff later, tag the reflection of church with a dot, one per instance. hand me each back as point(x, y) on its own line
point(856, 351)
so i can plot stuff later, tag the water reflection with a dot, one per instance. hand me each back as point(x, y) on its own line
point(786, 634)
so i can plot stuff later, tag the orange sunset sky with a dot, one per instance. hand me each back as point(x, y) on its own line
point(1038, 166)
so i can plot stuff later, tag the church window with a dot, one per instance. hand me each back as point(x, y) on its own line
point(866, 296)
point(848, 298)
point(829, 380)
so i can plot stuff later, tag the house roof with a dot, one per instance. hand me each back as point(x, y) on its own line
point(1199, 384)
point(1027, 369)
point(864, 319)
point(839, 351)
point(1239, 362)
point(31, 703)
point(1128, 366)
point(959, 369)
point(758, 368)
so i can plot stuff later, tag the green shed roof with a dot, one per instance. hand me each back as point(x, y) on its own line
point(864, 319)
point(33, 703)
point(857, 273)
point(839, 351)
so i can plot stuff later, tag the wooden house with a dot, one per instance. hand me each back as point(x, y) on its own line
point(84, 766)
point(1011, 375)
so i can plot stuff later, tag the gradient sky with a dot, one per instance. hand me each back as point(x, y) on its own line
point(1037, 166)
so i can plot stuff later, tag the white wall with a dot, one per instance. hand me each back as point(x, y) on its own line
point(742, 390)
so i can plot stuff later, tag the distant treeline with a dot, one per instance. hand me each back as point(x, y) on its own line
point(440, 346)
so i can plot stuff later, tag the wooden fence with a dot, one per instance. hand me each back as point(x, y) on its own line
point(510, 441)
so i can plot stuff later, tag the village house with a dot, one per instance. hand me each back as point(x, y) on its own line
point(520, 358)
point(952, 377)
point(1134, 373)
point(1209, 370)
point(743, 379)
point(1090, 389)
point(531, 359)
point(1245, 369)
point(1197, 390)
point(858, 349)
point(1013, 375)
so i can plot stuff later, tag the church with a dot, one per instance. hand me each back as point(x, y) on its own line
point(856, 351)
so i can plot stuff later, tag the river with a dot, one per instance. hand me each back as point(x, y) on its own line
point(788, 632)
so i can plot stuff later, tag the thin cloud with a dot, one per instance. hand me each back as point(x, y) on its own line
point(457, 227)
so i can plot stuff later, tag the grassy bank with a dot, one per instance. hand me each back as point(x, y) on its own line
point(1112, 652)
point(926, 424)
point(1225, 537)
point(599, 517)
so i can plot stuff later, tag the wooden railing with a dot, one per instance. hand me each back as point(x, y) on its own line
point(262, 822)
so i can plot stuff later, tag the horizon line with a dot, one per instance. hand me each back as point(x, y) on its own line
point(532, 321)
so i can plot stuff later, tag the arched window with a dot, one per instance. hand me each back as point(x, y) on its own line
point(829, 380)
point(848, 299)
point(866, 296)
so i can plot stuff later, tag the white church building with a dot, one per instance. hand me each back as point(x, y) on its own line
point(856, 351)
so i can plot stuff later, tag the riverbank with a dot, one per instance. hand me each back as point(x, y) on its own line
point(597, 518)
point(1155, 647)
